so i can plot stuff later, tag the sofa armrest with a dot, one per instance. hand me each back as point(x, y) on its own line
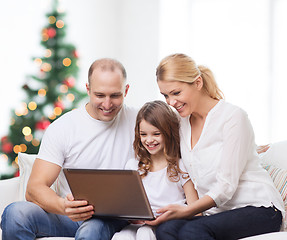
point(9, 189)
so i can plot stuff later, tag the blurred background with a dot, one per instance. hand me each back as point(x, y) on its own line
point(242, 41)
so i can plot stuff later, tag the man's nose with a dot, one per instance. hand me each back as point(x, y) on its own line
point(107, 103)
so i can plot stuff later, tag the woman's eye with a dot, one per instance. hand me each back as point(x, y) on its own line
point(176, 93)
point(165, 96)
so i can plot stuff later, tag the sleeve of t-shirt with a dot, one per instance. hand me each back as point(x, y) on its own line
point(238, 138)
point(184, 177)
point(132, 164)
point(53, 143)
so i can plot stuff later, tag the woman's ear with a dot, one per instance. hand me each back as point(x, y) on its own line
point(198, 82)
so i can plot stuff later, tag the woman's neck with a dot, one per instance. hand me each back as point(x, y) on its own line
point(204, 106)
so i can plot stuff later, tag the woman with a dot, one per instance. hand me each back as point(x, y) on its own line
point(236, 194)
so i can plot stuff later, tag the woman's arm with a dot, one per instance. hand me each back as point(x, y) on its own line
point(183, 212)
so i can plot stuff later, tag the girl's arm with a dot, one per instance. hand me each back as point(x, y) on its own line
point(190, 193)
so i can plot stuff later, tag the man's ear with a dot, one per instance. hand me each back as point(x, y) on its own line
point(198, 82)
point(88, 88)
point(126, 90)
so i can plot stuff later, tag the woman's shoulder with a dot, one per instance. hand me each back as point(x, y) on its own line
point(232, 109)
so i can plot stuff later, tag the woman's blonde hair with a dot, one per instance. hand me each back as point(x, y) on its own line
point(180, 67)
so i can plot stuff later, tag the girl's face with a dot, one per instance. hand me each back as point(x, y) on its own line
point(180, 95)
point(151, 138)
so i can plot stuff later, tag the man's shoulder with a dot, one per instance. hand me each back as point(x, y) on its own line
point(66, 119)
point(130, 109)
point(129, 113)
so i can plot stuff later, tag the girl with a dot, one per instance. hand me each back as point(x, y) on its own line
point(157, 151)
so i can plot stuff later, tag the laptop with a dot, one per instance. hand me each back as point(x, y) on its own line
point(113, 193)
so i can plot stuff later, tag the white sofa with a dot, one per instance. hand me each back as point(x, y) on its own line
point(274, 160)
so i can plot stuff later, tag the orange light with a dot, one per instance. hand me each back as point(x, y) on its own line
point(48, 53)
point(52, 19)
point(57, 111)
point(38, 61)
point(46, 67)
point(35, 142)
point(60, 24)
point(71, 97)
point(32, 105)
point(52, 117)
point(42, 92)
point(17, 149)
point(64, 88)
point(67, 62)
point(29, 138)
point(23, 147)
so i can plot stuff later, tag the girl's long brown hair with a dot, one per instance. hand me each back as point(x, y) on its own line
point(161, 116)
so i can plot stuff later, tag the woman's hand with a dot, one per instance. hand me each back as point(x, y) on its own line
point(170, 212)
point(262, 148)
point(77, 210)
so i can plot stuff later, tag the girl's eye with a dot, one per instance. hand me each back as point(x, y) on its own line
point(142, 134)
point(176, 93)
point(157, 134)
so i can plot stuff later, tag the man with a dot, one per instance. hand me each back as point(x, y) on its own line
point(98, 135)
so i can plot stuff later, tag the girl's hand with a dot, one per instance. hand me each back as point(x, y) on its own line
point(170, 212)
point(77, 210)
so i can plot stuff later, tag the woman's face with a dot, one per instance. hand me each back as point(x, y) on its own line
point(180, 95)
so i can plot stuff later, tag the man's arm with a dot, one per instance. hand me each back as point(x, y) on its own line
point(39, 192)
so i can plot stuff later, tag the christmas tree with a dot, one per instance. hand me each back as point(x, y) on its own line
point(49, 94)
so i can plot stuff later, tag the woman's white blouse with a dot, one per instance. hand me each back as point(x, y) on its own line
point(224, 164)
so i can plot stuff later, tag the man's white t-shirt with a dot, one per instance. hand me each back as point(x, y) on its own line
point(76, 140)
point(159, 189)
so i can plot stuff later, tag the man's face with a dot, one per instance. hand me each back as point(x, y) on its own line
point(107, 90)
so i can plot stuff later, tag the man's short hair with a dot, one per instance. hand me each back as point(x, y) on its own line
point(107, 64)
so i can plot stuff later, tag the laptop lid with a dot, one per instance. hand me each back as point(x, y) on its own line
point(113, 193)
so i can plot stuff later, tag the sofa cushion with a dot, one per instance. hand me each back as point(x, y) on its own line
point(276, 155)
point(279, 177)
point(25, 162)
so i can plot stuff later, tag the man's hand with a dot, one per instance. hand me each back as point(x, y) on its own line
point(77, 210)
